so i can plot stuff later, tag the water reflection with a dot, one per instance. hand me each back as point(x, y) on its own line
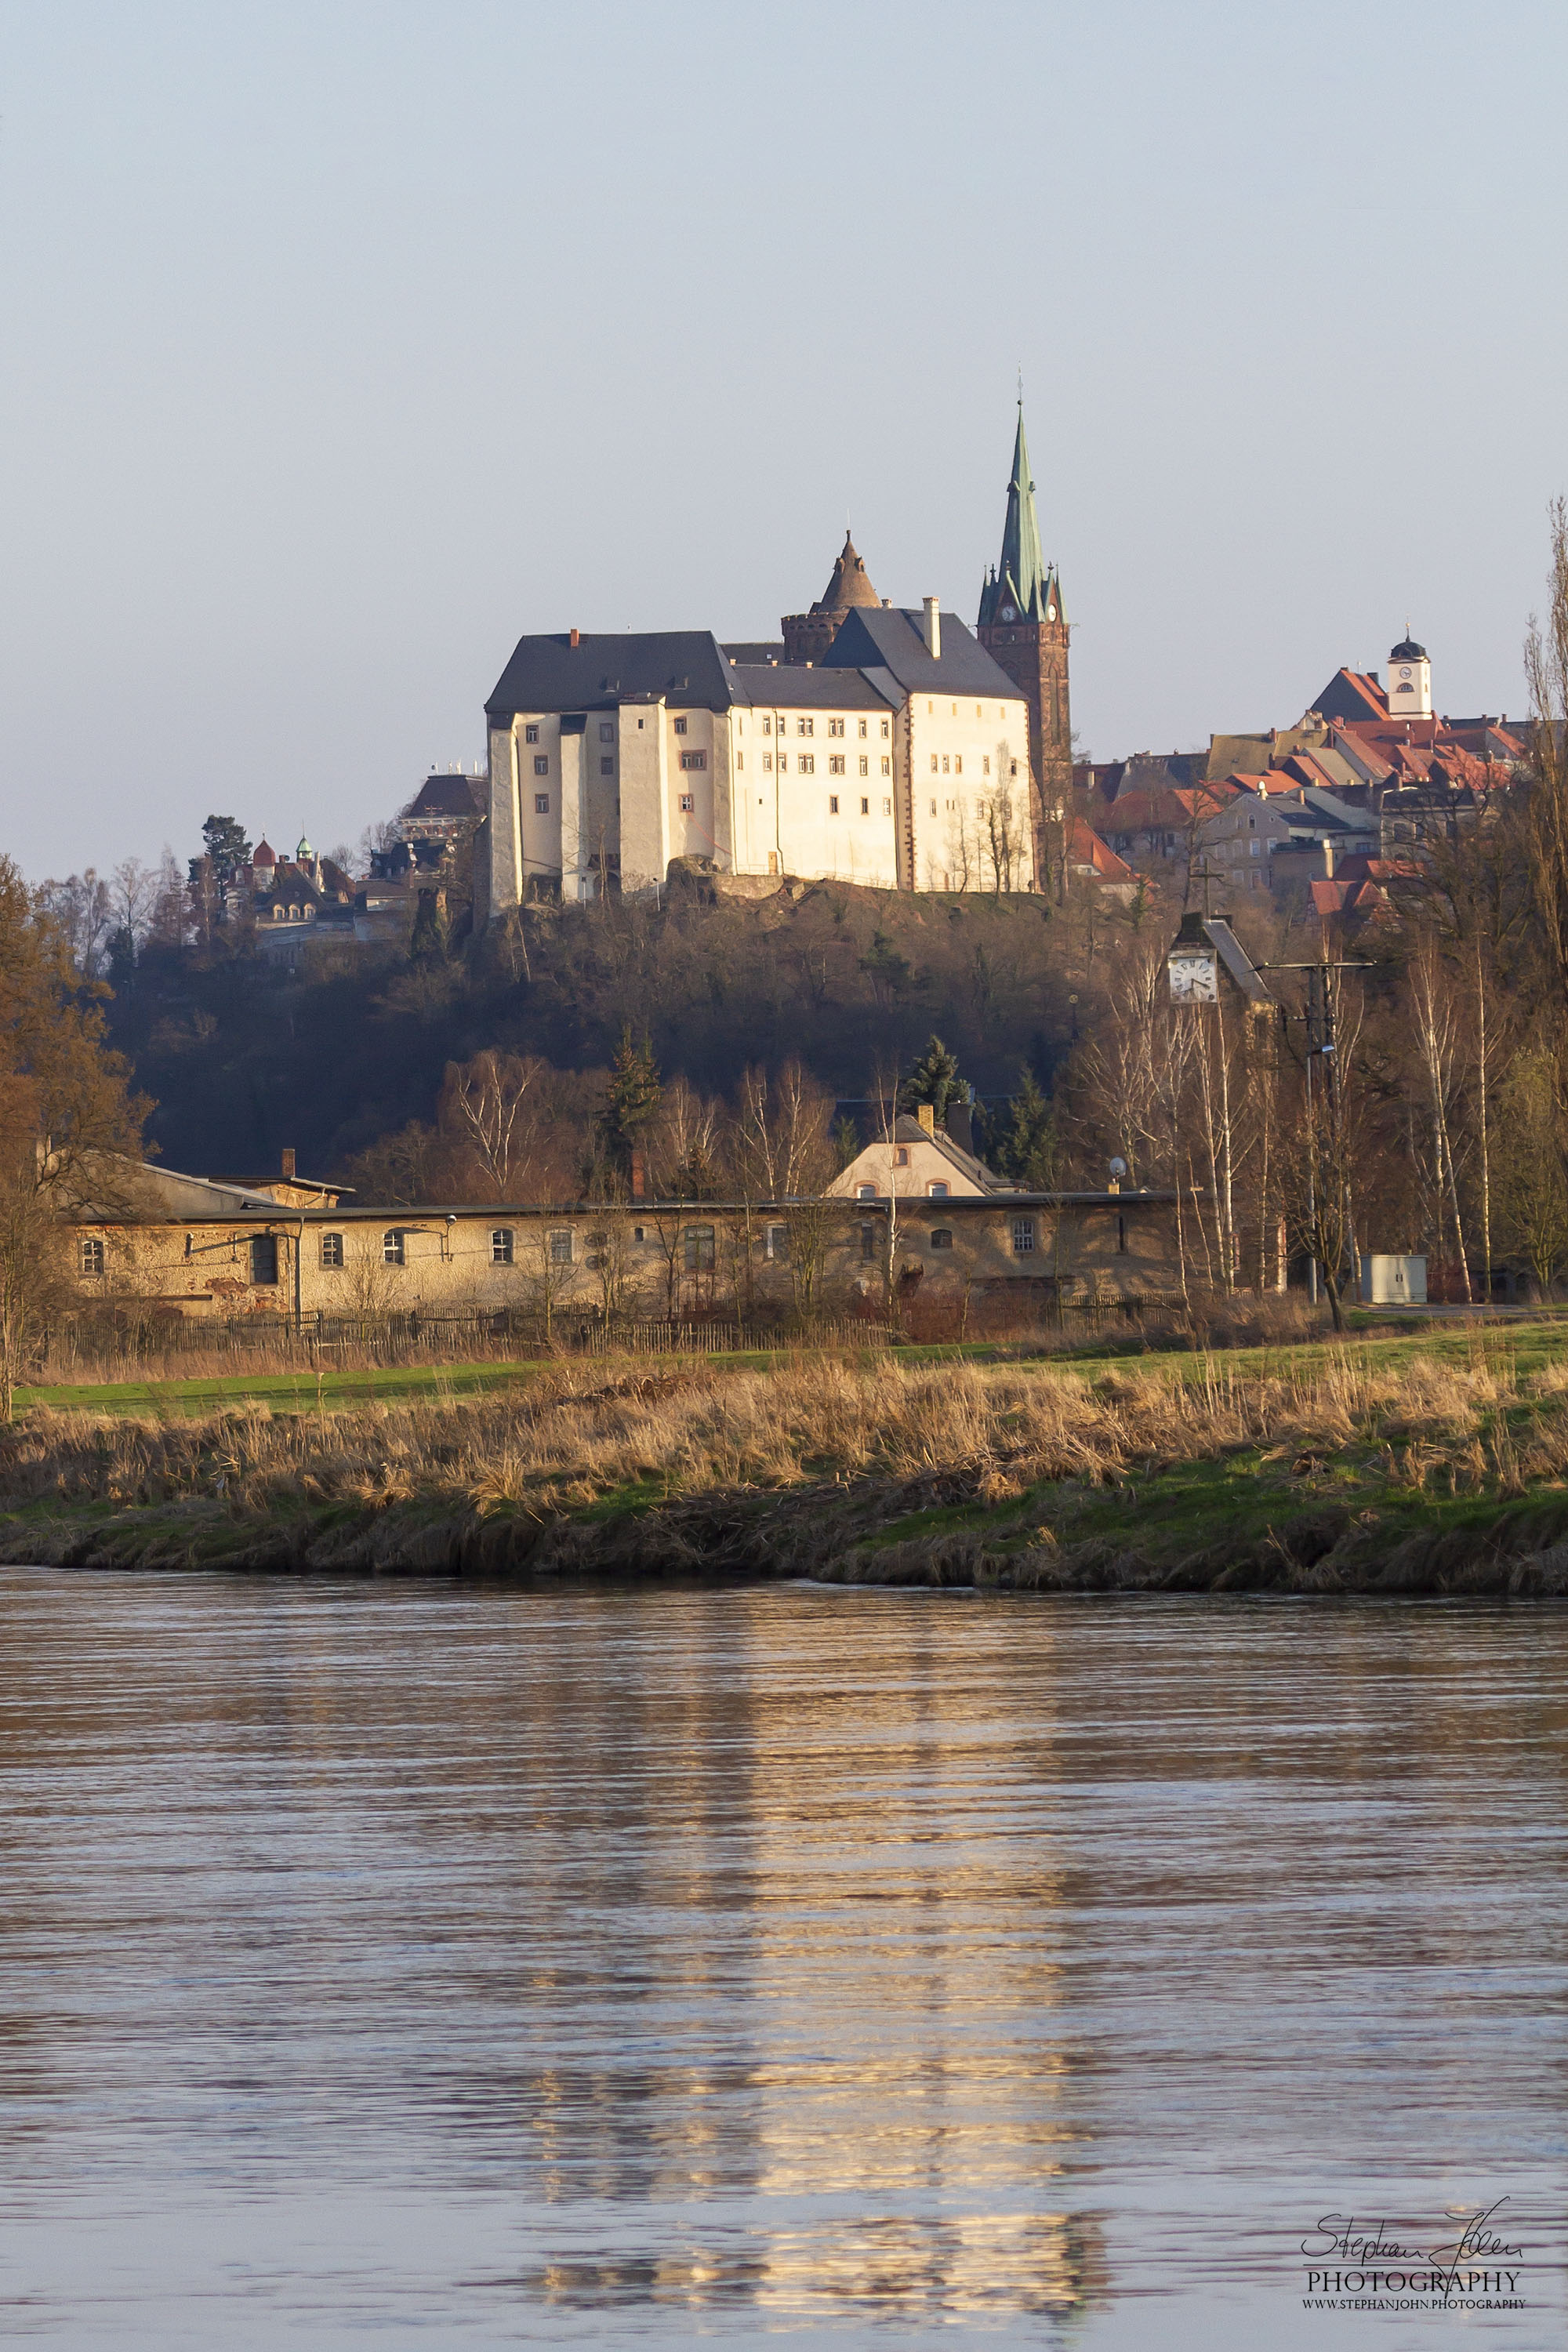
point(480, 1963)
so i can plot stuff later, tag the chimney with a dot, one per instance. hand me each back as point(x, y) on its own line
point(575, 637)
point(288, 1163)
point(960, 1125)
point(931, 628)
point(1329, 860)
point(640, 1176)
point(927, 1117)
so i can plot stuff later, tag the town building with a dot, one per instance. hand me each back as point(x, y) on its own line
point(920, 1160)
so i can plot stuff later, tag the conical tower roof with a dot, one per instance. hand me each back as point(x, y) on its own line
point(848, 584)
point(1019, 587)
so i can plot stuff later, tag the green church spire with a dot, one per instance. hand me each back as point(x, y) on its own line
point(1018, 590)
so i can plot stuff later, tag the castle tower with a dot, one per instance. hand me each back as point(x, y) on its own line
point(1023, 625)
point(807, 636)
point(1409, 681)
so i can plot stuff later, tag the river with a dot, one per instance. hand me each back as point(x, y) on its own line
point(477, 1967)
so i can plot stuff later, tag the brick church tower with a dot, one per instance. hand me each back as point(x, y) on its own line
point(1023, 625)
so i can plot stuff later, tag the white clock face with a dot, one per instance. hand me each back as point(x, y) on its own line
point(1405, 673)
point(1194, 979)
point(1008, 614)
point(1050, 611)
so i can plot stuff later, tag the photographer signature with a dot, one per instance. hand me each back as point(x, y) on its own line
point(1337, 2234)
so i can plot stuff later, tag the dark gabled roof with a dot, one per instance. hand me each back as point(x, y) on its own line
point(794, 687)
point(755, 651)
point(448, 795)
point(686, 666)
point(892, 639)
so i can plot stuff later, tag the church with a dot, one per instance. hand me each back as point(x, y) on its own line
point(871, 743)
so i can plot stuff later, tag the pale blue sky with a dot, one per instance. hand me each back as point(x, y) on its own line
point(344, 343)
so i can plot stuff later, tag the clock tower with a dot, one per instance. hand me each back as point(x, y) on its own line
point(1023, 625)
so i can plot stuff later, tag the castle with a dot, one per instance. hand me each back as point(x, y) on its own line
point(871, 743)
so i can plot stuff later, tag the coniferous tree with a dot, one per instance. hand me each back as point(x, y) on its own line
point(1027, 1149)
point(631, 1097)
point(934, 1079)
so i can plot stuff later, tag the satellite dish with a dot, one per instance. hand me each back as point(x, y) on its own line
point(1119, 1169)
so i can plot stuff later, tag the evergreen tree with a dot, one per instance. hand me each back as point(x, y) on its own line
point(934, 1079)
point(631, 1097)
point(1027, 1149)
point(226, 849)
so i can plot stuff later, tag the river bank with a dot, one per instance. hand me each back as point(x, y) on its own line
point(1384, 1467)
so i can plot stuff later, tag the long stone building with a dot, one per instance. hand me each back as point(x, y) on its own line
point(889, 746)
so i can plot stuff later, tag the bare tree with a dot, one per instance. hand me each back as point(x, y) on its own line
point(1532, 1166)
point(492, 1105)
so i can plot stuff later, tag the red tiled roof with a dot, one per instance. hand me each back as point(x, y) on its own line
point(1087, 849)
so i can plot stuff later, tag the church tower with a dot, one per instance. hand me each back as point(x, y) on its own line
point(1023, 625)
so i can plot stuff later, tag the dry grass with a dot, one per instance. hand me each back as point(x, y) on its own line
point(584, 1431)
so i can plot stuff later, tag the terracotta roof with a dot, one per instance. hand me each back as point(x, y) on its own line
point(1087, 849)
point(262, 855)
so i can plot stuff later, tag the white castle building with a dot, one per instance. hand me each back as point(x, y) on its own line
point(897, 757)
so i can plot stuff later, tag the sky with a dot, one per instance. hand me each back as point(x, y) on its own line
point(341, 345)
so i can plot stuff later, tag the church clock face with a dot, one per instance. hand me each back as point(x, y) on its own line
point(1050, 611)
point(1008, 614)
point(1194, 979)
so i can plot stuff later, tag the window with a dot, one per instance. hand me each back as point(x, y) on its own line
point(1121, 1235)
point(1023, 1237)
point(901, 1156)
point(833, 804)
point(986, 765)
point(501, 1245)
point(607, 767)
point(531, 734)
point(944, 766)
point(941, 1237)
point(887, 767)
point(933, 808)
point(1015, 767)
point(1254, 848)
point(332, 1251)
point(865, 806)
point(806, 764)
point(865, 1192)
point(805, 726)
point(776, 1245)
point(836, 764)
point(541, 765)
point(885, 726)
point(936, 1192)
point(640, 1232)
point(699, 1239)
point(767, 763)
point(933, 763)
point(958, 763)
point(740, 762)
point(867, 1243)
point(607, 731)
point(264, 1257)
point(767, 726)
point(561, 1248)
point(92, 1253)
point(688, 803)
point(690, 759)
point(1252, 824)
point(887, 805)
point(784, 763)
point(836, 726)
point(860, 731)
point(392, 1249)
point(865, 765)
point(680, 726)
point(542, 804)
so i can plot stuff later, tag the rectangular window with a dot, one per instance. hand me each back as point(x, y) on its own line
point(607, 731)
point(501, 1245)
point(865, 1192)
point(561, 1248)
point(1121, 1235)
point(833, 804)
point(1023, 1237)
point(887, 767)
point(264, 1257)
point(986, 765)
point(836, 726)
point(836, 764)
point(865, 807)
point(933, 763)
point(860, 731)
point(687, 803)
point(693, 759)
point(332, 1251)
point(805, 726)
point(941, 1237)
point(936, 1192)
point(541, 765)
point(784, 763)
point(944, 766)
point(767, 763)
point(867, 1243)
point(680, 726)
point(392, 1250)
point(933, 808)
point(887, 805)
point(531, 734)
point(958, 763)
point(806, 764)
point(92, 1253)
point(740, 762)
point(865, 765)
point(699, 1256)
point(767, 726)
point(885, 725)
point(901, 1156)
point(607, 767)
point(776, 1245)
point(542, 804)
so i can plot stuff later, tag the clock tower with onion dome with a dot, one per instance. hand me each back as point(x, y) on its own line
point(1023, 625)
